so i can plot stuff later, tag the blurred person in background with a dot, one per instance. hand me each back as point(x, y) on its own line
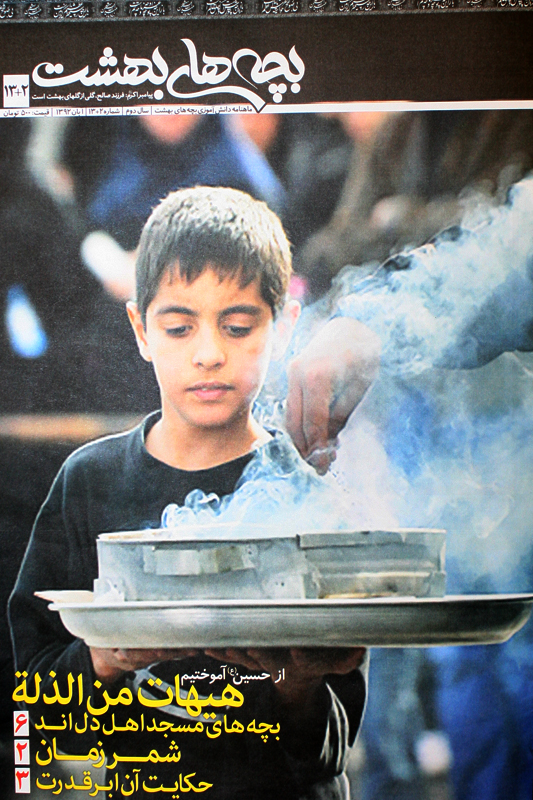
point(120, 169)
point(411, 176)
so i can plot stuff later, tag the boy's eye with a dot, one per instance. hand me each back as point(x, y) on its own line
point(178, 331)
point(238, 331)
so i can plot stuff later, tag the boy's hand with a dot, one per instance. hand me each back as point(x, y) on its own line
point(110, 664)
point(299, 663)
point(304, 669)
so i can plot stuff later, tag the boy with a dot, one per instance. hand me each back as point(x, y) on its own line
point(212, 275)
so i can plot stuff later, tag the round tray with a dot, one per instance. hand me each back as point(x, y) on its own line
point(373, 622)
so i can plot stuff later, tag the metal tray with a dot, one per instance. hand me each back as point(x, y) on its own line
point(372, 622)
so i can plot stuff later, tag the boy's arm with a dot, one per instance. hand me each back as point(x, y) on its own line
point(320, 702)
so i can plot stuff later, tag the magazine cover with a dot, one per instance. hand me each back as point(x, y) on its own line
point(266, 400)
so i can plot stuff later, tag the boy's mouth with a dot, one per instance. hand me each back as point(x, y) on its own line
point(210, 390)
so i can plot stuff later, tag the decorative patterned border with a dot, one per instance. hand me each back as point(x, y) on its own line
point(57, 10)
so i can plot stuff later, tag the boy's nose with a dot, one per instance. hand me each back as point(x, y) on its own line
point(209, 352)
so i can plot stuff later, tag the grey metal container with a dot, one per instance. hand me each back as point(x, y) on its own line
point(251, 562)
point(200, 562)
point(408, 562)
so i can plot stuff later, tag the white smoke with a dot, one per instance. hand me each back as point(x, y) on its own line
point(279, 490)
point(428, 446)
point(468, 468)
point(429, 313)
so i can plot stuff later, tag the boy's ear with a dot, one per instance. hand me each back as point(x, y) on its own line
point(137, 324)
point(283, 328)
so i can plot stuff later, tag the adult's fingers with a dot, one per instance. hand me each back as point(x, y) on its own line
point(321, 459)
point(307, 416)
point(294, 411)
point(316, 398)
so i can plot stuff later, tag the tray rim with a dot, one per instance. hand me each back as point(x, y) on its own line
point(343, 602)
point(282, 623)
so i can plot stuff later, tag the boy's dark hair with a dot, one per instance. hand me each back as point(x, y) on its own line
point(223, 228)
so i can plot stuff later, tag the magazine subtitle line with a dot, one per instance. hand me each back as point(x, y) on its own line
point(183, 784)
point(211, 729)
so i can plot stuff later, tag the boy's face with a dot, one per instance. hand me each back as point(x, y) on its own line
point(210, 342)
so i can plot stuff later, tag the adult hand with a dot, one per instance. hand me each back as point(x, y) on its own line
point(327, 380)
point(110, 663)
